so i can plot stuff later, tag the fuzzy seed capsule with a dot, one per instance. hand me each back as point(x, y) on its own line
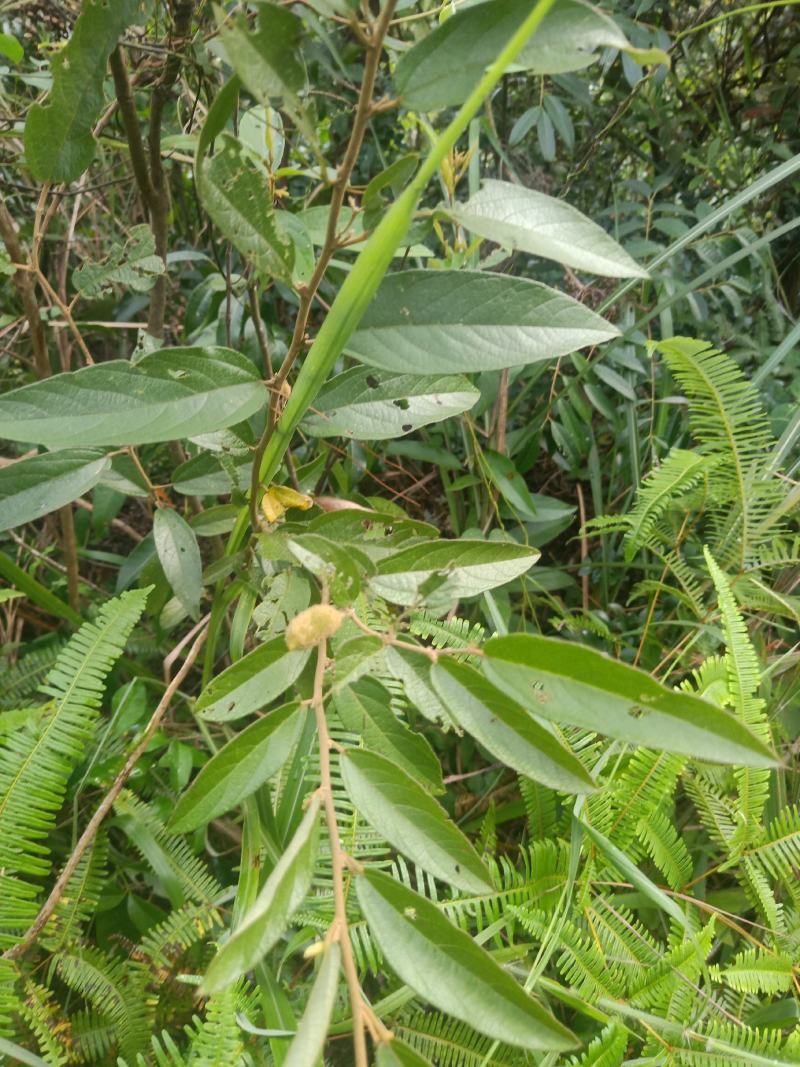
point(312, 626)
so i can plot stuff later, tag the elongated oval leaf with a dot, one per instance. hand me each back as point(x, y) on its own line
point(571, 683)
point(281, 896)
point(516, 217)
point(237, 195)
point(307, 1044)
point(461, 568)
point(442, 69)
point(507, 730)
point(174, 392)
point(364, 708)
point(444, 966)
point(34, 487)
point(59, 144)
point(251, 682)
point(239, 768)
point(430, 321)
point(179, 556)
point(411, 820)
point(373, 405)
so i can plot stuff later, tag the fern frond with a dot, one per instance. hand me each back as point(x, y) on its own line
point(43, 1016)
point(102, 982)
point(666, 848)
point(753, 971)
point(183, 875)
point(183, 928)
point(606, 1050)
point(582, 962)
point(680, 472)
point(446, 633)
point(724, 1045)
point(744, 678)
point(217, 1039)
point(36, 761)
point(780, 851)
point(450, 1043)
point(727, 418)
point(21, 681)
point(77, 905)
point(680, 966)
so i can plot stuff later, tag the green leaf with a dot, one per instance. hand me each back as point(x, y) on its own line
point(268, 60)
point(281, 896)
point(133, 265)
point(411, 820)
point(238, 769)
point(507, 730)
point(235, 191)
point(441, 70)
point(444, 966)
point(179, 556)
point(571, 683)
point(372, 405)
point(364, 709)
point(59, 144)
point(34, 487)
point(414, 672)
point(525, 219)
point(251, 682)
point(452, 321)
point(441, 572)
point(171, 393)
point(397, 1053)
point(11, 48)
point(307, 1044)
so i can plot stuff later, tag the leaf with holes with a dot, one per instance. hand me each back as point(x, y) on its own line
point(251, 682)
point(372, 405)
point(444, 966)
point(574, 684)
point(441, 572)
point(179, 556)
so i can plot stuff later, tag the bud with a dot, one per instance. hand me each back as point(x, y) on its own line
point(312, 626)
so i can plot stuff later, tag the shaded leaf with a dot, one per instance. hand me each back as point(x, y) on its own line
point(59, 144)
point(308, 1042)
point(251, 682)
point(238, 769)
point(444, 966)
point(507, 730)
point(281, 896)
point(34, 487)
point(179, 556)
point(364, 709)
point(411, 820)
point(133, 265)
point(237, 195)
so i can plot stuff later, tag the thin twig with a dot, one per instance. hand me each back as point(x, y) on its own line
point(107, 802)
point(375, 37)
point(337, 860)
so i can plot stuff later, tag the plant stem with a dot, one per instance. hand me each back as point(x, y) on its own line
point(337, 860)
